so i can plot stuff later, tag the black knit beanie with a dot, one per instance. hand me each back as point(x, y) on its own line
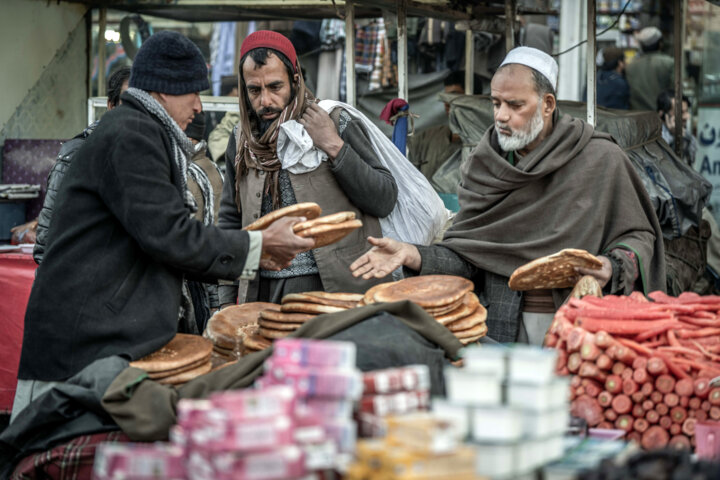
point(196, 128)
point(169, 62)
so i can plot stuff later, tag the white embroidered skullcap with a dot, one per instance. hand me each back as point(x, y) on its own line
point(649, 36)
point(535, 59)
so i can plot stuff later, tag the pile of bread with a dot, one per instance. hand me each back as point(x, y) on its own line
point(182, 359)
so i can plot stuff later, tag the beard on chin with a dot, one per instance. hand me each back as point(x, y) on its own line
point(263, 125)
point(520, 139)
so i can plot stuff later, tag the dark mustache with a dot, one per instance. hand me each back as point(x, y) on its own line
point(267, 110)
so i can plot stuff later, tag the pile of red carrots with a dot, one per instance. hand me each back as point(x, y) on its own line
point(643, 366)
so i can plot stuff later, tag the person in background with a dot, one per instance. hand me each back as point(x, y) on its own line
point(218, 138)
point(117, 84)
point(273, 91)
point(650, 72)
point(123, 237)
point(538, 182)
point(205, 182)
point(612, 89)
point(666, 110)
point(429, 148)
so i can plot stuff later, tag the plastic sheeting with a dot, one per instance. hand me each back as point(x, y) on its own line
point(17, 272)
point(676, 190)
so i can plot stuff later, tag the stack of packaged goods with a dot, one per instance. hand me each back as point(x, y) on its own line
point(325, 381)
point(510, 404)
point(417, 446)
point(392, 391)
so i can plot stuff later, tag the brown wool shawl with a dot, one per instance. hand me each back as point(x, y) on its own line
point(254, 152)
point(577, 189)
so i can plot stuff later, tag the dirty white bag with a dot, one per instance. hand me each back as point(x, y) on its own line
point(296, 150)
point(419, 214)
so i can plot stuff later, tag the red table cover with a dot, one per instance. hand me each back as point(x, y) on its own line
point(17, 272)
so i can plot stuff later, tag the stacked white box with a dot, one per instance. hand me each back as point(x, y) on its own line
point(509, 403)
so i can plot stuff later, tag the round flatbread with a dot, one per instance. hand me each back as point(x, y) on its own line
point(181, 351)
point(184, 368)
point(469, 340)
point(476, 331)
point(279, 325)
point(474, 319)
point(426, 290)
point(323, 298)
point(273, 334)
point(328, 234)
point(217, 358)
point(554, 271)
point(226, 327)
point(188, 375)
point(324, 220)
point(228, 352)
point(256, 343)
point(285, 317)
point(308, 210)
point(311, 308)
point(437, 311)
point(369, 296)
point(220, 366)
point(469, 305)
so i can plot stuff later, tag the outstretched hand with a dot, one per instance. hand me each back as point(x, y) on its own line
point(603, 274)
point(280, 244)
point(385, 257)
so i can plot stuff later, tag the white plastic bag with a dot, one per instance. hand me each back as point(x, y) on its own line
point(419, 214)
point(296, 150)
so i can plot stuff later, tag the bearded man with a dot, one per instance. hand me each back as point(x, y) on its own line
point(272, 91)
point(538, 182)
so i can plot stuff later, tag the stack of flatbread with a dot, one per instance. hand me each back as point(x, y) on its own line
point(295, 310)
point(181, 360)
point(308, 210)
point(328, 229)
point(449, 299)
point(554, 271)
point(228, 328)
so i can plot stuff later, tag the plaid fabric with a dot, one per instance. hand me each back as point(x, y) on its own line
point(72, 460)
point(367, 44)
point(376, 75)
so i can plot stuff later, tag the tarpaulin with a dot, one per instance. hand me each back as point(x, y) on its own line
point(17, 272)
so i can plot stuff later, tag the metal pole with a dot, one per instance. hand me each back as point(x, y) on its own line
point(469, 63)
point(591, 62)
point(101, 52)
point(510, 24)
point(677, 34)
point(350, 53)
point(403, 90)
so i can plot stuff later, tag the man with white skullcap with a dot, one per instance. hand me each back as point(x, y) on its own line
point(538, 182)
point(651, 72)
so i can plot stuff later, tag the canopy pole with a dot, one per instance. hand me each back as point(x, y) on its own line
point(350, 95)
point(101, 52)
point(402, 50)
point(469, 63)
point(678, 21)
point(591, 68)
point(510, 9)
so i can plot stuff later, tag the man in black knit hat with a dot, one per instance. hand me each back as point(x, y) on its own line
point(122, 238)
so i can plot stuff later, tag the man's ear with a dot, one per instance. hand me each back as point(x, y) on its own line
point(296, 78)
point(549, 104)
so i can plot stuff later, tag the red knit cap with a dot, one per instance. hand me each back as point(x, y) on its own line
point(270, 39)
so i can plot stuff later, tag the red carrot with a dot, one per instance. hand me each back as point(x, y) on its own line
point(574, 362)
point(688, 426)
point(714, 412)
point(684, 401)
point(671, 400)
point(705, 405)
point(656, 366)
point(702, 387)
point(675, 429)
point(701, 415)
point(624, 327)
point(662, 409)
point(638, 411)
point(605, 425)
point(603, 339)
point(588, 350)
point(652, 416)
point(666, 422)
point(647, 388)
point(590, 370)
point(684, 387)
point(587, 408)
point(635, 347)
point(640, 375)
point(605, 398)
point(550, 340)
point(604, 362)
point(656, 397)
point(679, 442)
point(629, 386)
point(703, 332)
point(624, 422)
point(613, 384)
point(622, 404)
point(714, 396)
point(593, 388)
point(654, 438)
point(575, 339)
point(648, 405)
point(611, 415)
point(694, 403)
point(679, 414)
point(610, 314)
point(640, 363)
point(640, 425)
point(665, 384)
point(618, 367)
point(637, 397)
point(674, 369)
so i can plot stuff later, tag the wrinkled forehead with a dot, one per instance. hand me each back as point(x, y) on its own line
point(513, 79)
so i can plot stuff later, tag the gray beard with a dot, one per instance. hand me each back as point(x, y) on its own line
point(520, 139)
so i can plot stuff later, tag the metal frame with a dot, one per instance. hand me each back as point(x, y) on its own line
point(209, 104)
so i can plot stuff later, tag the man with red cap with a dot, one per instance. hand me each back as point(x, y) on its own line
point(272, 91)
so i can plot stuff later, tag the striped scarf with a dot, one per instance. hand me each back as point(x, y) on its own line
point(181, 145)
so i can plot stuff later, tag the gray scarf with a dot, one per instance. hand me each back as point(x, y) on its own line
point(181, 145)
point(203, 182)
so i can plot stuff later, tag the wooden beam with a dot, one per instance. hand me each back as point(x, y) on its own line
point(469, 63)
point(510, 8)
point(590, 62)
point(402, 49)
point(678, 36)
point(350, 95)
point(102, 23)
